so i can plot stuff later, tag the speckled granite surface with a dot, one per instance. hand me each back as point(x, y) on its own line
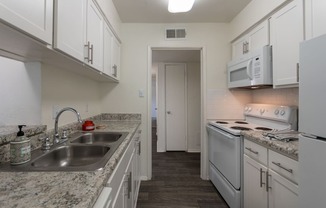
point(63, 189)
point(289, 149)
point(8, 133)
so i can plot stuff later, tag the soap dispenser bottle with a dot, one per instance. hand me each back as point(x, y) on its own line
point(20, 148)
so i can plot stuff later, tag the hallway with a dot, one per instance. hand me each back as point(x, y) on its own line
point(176, 183)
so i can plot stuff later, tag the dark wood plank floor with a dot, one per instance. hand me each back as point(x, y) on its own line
point(176, 183)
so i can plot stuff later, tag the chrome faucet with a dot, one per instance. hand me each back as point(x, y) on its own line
point(57, 138)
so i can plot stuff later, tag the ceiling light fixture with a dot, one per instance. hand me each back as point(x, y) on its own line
point(177, 6)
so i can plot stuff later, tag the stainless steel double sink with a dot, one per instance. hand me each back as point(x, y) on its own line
point(85, 151)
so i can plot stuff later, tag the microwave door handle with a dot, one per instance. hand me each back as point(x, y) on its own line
point(249, 69)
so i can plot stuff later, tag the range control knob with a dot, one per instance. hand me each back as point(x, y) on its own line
point(249, 109)
point(276, 112)
point(282, 112)
point(246, 108)
point(262, 111)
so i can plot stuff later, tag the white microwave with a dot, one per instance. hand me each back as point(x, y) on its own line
point(253, 70)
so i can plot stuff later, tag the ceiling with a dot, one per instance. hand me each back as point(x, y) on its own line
point(155, 11)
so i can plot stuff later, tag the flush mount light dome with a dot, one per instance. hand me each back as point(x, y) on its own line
point(176, 6)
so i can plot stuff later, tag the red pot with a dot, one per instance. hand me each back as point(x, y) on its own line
point(88, 126)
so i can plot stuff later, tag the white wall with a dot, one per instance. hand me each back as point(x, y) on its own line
point(251, 14)
point(136, 38)
point(20, 94)
point(62, 88)
point(193, 114)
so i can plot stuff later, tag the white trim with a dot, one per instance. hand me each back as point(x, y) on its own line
point(193, 150)
point(203, 139)
point(203, 134)
point(149, 114)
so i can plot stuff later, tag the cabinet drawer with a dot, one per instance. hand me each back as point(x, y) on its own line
point(255, 151)
point(284, 166)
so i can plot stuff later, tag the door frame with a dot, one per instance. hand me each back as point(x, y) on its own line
point(203, 133)
point(161, 103)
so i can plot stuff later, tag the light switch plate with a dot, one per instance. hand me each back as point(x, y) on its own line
point(141, 93)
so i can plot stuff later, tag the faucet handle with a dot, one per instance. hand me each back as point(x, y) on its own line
point(46, 145)
point(64, 134)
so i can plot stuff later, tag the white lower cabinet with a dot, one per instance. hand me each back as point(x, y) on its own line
point(125, 180)
point(282, 192)
point(255, 194)
point(269, 186)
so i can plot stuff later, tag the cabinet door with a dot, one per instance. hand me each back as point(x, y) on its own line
point(239, 47)
point(70, 30)
point(107, 50)
point(115, 58)
point(129, 185)
point(34, 18)
point(254, 188)
point(259, 36)
point(94, 36)
point(282, 193)
point(286, 34)
point(315, 18)
point(119, 201)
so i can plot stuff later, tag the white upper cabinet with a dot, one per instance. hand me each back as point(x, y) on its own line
point(111, 53)
point(286, 34)
point(33, 17)
point(253, 40)
point(107, 50)
point(70, 36)
point(115, 58)
point(315, 18)
point(94, 46)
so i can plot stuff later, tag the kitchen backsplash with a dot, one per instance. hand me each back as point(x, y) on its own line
point(286, 96)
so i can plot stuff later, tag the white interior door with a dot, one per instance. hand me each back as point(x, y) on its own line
point(175, 106)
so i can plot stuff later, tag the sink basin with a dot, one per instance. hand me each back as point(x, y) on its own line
point(97, 137)
point(86, 151)
point(71, 156)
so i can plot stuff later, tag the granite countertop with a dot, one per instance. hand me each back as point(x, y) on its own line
point(62, 189)
point(289, 149)
point(8, 133)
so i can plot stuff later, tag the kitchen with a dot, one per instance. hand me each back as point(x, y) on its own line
point(61, 87)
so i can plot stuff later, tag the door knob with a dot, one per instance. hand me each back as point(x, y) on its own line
point(168, 112)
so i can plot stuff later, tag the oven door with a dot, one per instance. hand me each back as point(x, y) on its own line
point(225, 154)
point(240, 74)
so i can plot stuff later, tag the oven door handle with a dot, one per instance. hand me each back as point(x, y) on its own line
point(221, 132)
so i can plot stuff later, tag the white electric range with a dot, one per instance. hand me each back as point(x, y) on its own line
point(226, 144)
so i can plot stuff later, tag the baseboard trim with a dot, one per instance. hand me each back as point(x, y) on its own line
point(193, 150)
point(143, 178)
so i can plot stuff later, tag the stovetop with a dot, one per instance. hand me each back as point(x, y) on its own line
point(236, 126)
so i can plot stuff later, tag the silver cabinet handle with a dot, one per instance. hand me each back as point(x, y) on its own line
point(88, 45)
point(243, 48)
point(261, 177)
point(298, 72)
point(115, 68)
point(92, 50)
point(139, 147)
point(267, 182)
point(284, 168)
point(250, 150)
point(129, 184)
